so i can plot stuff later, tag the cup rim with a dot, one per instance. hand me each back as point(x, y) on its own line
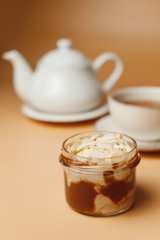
point(122, 92)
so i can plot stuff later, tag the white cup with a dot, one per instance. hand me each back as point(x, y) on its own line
point(141, 122)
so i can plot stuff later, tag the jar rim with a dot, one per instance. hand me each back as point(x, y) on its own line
point(82, 166)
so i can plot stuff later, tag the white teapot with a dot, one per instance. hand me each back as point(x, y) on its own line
point(64, 80)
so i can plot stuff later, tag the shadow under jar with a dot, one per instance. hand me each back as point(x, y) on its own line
point(100, 186)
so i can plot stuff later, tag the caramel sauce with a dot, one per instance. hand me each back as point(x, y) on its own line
point(70, 162)
point(116, 190)
point(81, 195)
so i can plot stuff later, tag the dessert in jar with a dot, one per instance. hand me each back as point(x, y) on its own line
point(100, 172)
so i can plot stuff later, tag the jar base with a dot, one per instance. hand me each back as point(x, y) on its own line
point(103, 215)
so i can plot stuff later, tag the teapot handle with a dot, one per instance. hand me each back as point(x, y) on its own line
point(115, 75)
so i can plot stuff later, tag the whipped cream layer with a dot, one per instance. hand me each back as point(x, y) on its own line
point(99, 149)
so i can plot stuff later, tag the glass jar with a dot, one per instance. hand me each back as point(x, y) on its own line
point(100, 190)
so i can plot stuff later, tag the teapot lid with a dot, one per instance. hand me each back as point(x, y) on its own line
point(64, 57)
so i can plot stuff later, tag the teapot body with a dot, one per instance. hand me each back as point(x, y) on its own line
point(64, 81)
point(67, 91)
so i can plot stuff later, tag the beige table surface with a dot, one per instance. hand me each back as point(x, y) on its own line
point(32, 201)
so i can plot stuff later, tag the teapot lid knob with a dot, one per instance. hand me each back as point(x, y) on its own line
point(64, 57)
point(64, 43)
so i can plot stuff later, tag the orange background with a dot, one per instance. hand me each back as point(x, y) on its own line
point(129, 28)
point(32, 204)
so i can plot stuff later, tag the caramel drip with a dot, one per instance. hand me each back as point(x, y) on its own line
point(81, 195)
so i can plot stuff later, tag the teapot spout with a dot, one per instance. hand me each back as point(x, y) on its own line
point(22, 73)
